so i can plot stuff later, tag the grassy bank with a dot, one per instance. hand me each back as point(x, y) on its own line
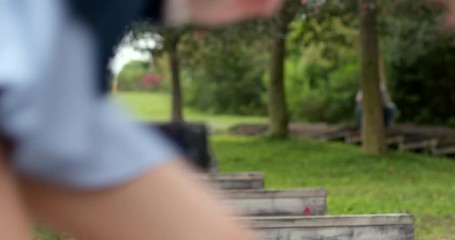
point(357, 184)
point(156, 107)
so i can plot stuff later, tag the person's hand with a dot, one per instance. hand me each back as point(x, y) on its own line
point(449, 13)
point(218, 12)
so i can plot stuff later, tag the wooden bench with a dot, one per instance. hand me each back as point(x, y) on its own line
point(362, 227)
point(416, 142)
point(304, 202)
point(237, 181)
point(443, 151)
point(340, 135)
point(392, 140)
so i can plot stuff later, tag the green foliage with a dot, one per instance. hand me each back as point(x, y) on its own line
point(322, 71)
point(330, 100)
point(357, 184)
point(129, 79)
point(157, 107)
point(420, 63)
point(230, 86)
point(42, 233)
point(223, 71)
point(223, 74)
point(161, 68)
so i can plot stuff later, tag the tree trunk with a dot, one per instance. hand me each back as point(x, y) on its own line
point(373, 130)
point(174, 62)
point(277, 105)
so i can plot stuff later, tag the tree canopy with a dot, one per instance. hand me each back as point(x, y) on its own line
point(226, 70)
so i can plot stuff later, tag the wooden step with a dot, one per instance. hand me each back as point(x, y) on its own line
point(306, 202)
point(444, 151)
point(395, 140)
point(237, 181)
point(334, 136)
point(353, 138)
point(418, 144)
point(390, 141)
point(361, 227)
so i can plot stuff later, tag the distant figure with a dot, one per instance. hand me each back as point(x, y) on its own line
point(387, 103)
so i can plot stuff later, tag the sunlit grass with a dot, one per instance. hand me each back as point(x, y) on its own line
point(156, 107)
point(398, 182)
point(357, 184)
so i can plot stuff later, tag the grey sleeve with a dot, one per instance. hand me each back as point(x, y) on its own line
point(63, 130)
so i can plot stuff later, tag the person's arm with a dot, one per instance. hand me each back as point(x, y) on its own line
point(449, 16)
point(167, 203)
point(212, 12)
point(15, 223)
point(87, 168)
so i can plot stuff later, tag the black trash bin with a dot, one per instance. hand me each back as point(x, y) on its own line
point(192, 138)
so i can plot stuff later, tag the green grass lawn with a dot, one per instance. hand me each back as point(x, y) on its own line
point(156, 107)
point(357, 184)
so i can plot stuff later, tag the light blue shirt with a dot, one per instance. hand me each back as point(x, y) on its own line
point(63, 130)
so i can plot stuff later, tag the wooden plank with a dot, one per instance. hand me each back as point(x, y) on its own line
point(353, 139)
point(309, 202)
point(419, 145)
point(237, 181)
point(390, 141)
point(334, 136)
point(395, 140)
point(362, 227)
point(445, 151)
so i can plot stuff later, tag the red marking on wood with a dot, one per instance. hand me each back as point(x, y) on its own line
point(307, 211)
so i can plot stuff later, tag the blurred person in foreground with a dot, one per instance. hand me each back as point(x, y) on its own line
point(75, 162)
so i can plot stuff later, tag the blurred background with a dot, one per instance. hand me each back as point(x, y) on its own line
point(279, 96)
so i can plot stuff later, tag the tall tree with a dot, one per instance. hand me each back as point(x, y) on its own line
point(419, 61)
point(166, 41)
point(277, 106)
point(224, 69)
point(315, 17)
point(373, 132)
point(171, 39)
